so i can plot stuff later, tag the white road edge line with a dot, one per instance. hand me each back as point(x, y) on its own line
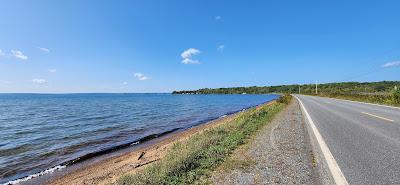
point(373, 115)
point(336, 173)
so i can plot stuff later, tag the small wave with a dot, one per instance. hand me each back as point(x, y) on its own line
point(48, 171)
point(96, 117)
point(135, 143)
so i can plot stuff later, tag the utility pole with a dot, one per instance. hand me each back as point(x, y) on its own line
point(316, 88)
point(299, 89)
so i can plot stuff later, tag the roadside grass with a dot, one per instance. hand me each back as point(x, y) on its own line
point(190, 161)
point(392, 99)
point(243, 162)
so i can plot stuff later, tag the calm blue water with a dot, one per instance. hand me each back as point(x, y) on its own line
point(41, 131)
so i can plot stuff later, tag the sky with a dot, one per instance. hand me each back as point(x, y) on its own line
point(159, 46)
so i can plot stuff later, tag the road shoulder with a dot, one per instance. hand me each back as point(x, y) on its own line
point(280, 153)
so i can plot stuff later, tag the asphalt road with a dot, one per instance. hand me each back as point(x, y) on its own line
point(363, 139)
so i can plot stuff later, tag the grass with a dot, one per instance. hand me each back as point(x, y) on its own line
point(392, 99)
point(239, 160)
point(191, 161)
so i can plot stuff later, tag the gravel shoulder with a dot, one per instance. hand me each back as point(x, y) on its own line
point(280, 153)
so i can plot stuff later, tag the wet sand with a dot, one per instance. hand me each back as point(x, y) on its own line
point(109, 170)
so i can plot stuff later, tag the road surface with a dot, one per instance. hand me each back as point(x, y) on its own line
point(364, 139)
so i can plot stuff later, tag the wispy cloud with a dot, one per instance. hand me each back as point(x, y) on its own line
point(39, 81)
point(52, 70)
point(140, 76)
point(190, 61)
point(217, 18)
point(18, 54)
point(221, 48)
point(124, 83)
point(188, 54)
point(44, 49)
point(392, 64)
point(1, 53)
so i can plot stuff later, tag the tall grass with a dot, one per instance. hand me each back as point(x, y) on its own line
point(392, 98)
point(188, 161)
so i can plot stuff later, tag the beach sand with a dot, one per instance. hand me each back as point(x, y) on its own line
point(109, 170)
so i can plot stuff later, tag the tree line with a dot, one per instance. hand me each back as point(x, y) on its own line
point(382, 87)
point(386, 92)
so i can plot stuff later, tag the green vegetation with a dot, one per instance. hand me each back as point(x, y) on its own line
point(191, 161)
point(383, 87)
point(391, 98)
point(395, 96)
point(385, 92)
point(285, 99)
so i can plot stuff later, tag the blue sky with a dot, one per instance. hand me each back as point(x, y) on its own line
point(161, 46)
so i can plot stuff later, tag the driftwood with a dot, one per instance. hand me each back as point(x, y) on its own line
point(146, 163)
point(141, 155)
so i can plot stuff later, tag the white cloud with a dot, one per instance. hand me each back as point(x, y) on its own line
point(18, 54)
point(52, 70)
point(190, 61)
point(44, 49)
point(140, 76)
point(221, 48)
point(39, 81)
point(392, 64)
point(217, 18)
point(188, 54)
point(124, 83)
point(1, 53)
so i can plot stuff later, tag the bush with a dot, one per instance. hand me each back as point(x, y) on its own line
point(285, 99)
point(395, 96)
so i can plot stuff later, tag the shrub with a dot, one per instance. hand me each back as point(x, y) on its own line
point(285, 99)
point(395, 96)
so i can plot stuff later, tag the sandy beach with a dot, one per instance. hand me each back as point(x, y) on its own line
point(109, 170)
